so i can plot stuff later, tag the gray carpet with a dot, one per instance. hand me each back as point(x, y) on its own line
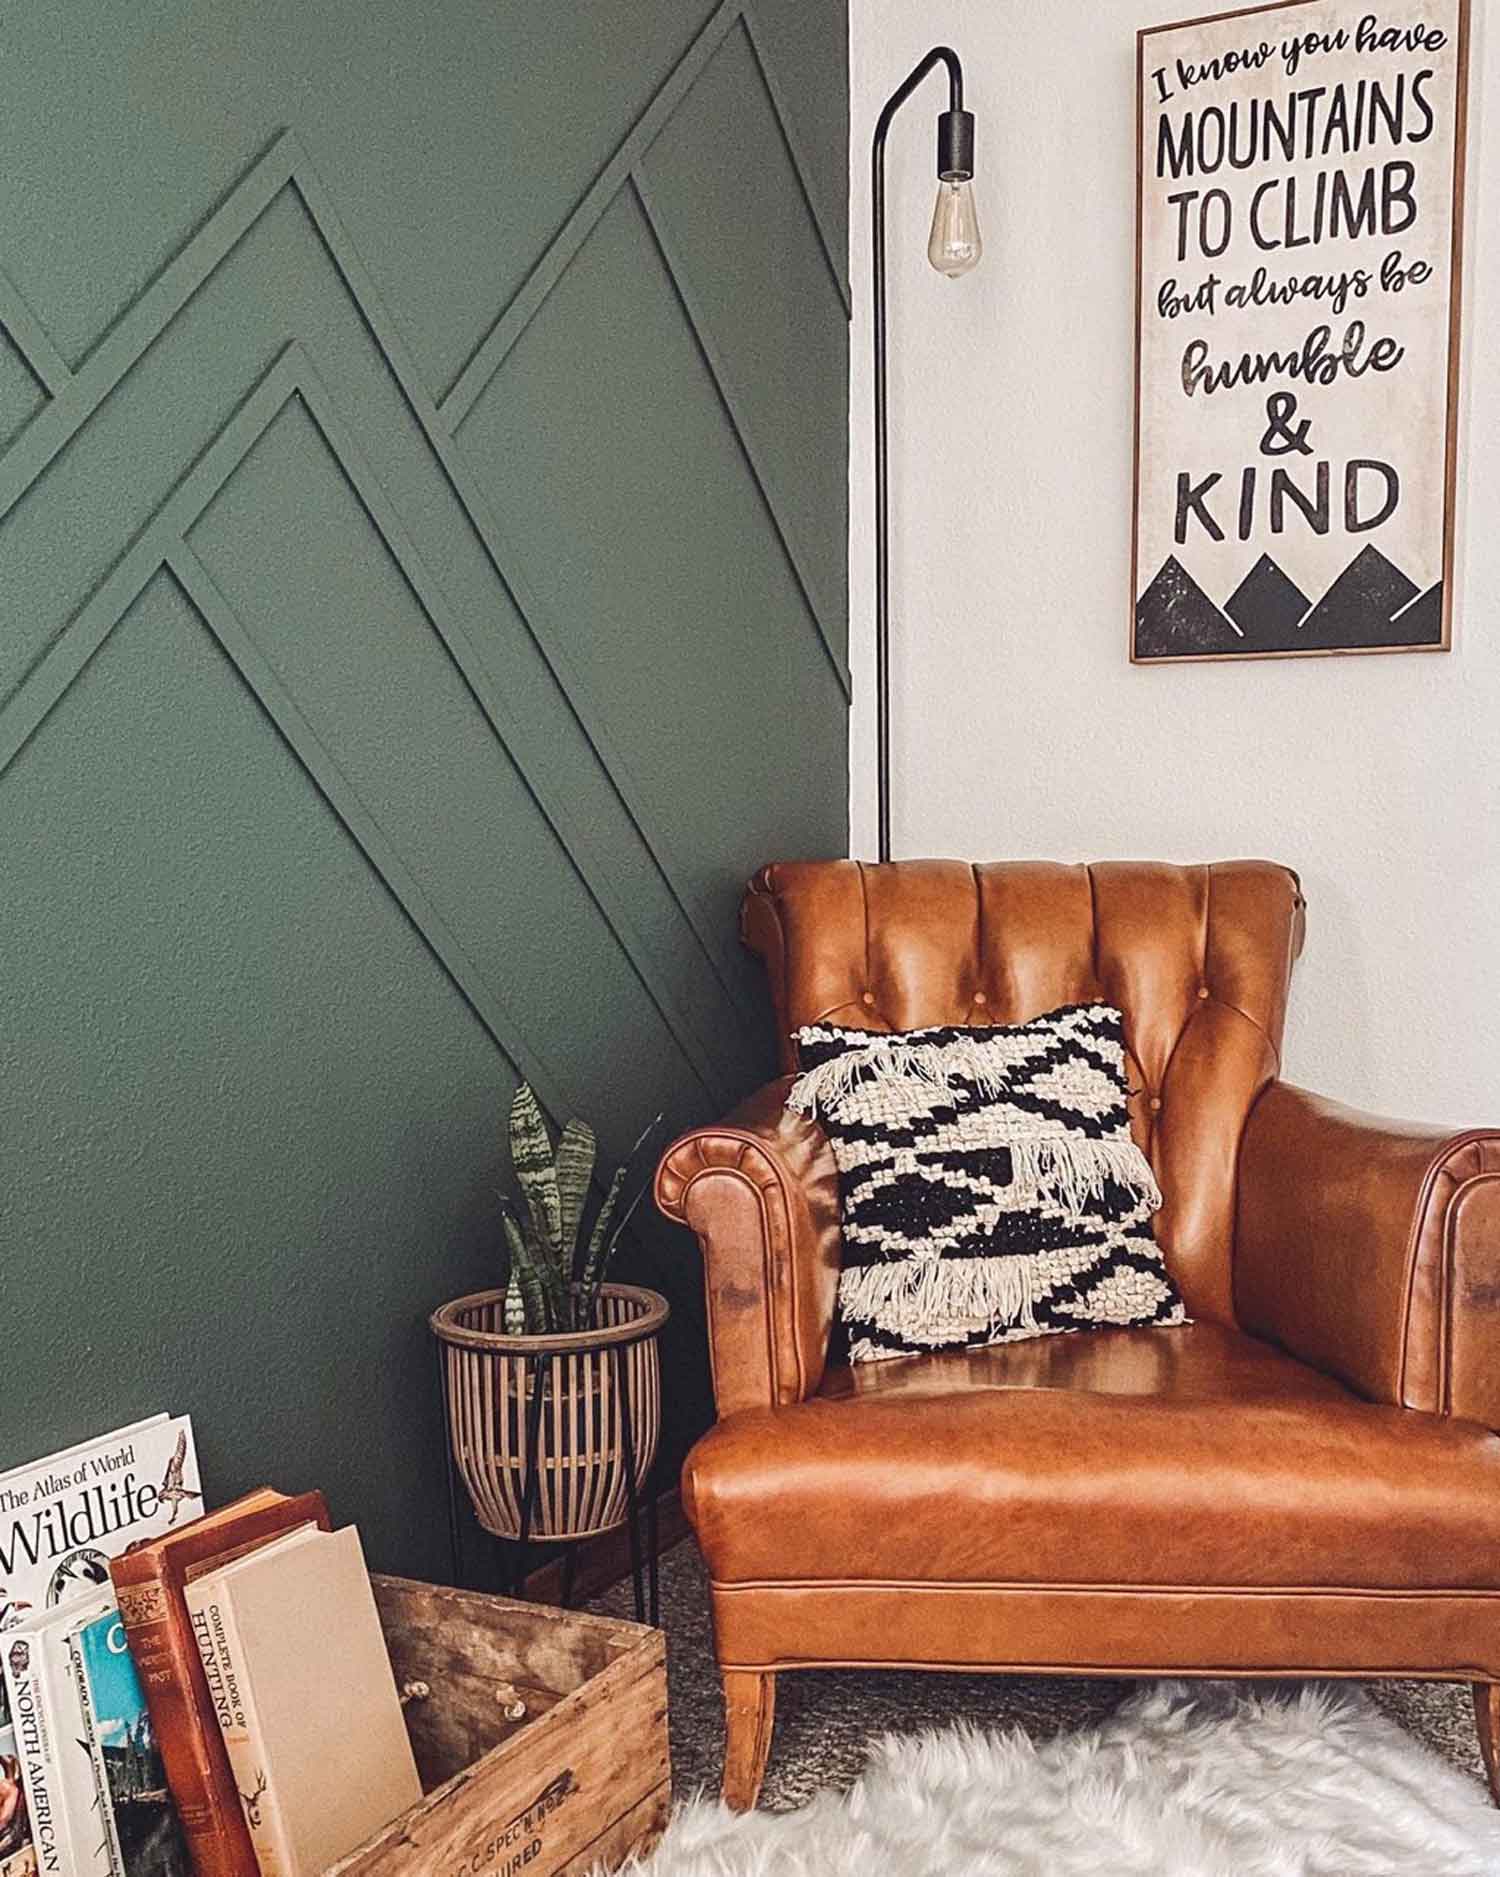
point(825, 1720)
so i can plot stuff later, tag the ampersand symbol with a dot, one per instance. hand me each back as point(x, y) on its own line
point(1279, 439)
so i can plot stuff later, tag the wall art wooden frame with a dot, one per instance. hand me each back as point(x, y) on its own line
point(1320, 457)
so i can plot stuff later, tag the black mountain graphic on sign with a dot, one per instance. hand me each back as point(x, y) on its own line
point(1359, 608)
point(1372, 604)
point(1175, 618)
point(1267, 606)
point(1422, 622)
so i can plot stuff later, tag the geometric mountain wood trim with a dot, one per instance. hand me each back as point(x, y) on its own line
point(625, 167)
point(146, 319)
point(800, 166)
point(65, 658)
point(285, 163)
point(548, 640)
point(501, 1024)
point(718, 370)
point(490, 353)
point(46, 364)
point(293, 374)
point(516, 734)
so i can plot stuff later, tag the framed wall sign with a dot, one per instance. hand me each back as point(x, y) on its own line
point(1299, 227)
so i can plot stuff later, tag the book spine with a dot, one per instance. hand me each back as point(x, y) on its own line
point(198, 1773)
point(87, 1840)
point(91, 1740)
point(234, 1703)
point(36, 1748)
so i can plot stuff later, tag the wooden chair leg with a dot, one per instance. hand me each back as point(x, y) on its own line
point(749, 1713)
point(1487, 1722)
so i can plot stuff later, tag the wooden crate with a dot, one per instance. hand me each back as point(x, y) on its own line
point(582, 1779)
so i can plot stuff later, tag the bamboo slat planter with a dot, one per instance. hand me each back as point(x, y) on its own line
point(568, 1401)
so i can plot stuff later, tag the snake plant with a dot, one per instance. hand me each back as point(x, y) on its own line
point(556, 1269)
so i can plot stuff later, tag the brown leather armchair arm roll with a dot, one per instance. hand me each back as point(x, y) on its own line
point(1371, 1249)
point(760, 1190)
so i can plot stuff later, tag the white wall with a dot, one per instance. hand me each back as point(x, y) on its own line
point(1020, 728)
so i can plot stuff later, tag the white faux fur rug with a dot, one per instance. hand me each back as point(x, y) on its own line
point(1207, 1779)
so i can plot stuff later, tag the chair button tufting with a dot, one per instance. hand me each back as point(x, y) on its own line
point(1202, 993)
point(980, 998)
point(1155, 1104)
point(868, 998)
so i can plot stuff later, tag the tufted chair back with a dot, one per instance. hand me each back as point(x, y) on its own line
point(1197, 958)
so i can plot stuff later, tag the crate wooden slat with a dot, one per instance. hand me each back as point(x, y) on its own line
point(582, 1779)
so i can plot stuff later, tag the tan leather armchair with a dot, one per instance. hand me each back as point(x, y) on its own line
point(1304, 1480)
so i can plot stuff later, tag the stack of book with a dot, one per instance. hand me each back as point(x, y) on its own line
point(187, 1696)
point(61, 1521)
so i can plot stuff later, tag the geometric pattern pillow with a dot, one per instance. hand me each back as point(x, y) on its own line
point(989, 1184)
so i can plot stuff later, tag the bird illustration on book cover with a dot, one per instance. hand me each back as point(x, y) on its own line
point(172, 1491)
point(150, 1837)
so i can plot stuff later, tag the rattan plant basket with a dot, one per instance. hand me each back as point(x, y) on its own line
point(579, 1391)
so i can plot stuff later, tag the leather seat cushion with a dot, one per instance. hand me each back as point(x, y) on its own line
point(1218, 1465)
point(1194, 1359)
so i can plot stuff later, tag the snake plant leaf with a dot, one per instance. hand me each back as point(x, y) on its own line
point(602, 1241)
point(551, 1268)
point(574, 1168)
point(514, 1310)
point(635, 1199)
point(531, 1157)
point(526, 1279)
point(612, 1220)
point(609, 1225)
point(505, 1264)
point(632, 1160)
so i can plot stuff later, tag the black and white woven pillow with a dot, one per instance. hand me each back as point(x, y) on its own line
point(990, 1186)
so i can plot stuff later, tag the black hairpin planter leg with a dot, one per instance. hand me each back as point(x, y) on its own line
point(653, 1556)
point(569, 1576)
point(455, 1524)
point(531, 1490)
point(632, 1491)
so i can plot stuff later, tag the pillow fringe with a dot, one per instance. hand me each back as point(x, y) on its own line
point(894, 1059)
point(908, 1297)
point(884, 1059)
point(1067, 1167)
point(1074, 1171)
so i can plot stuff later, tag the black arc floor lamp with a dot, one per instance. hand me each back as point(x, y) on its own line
point(953, 247)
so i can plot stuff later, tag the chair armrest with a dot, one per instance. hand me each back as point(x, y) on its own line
point(761, 1192)
point(1371, 1249)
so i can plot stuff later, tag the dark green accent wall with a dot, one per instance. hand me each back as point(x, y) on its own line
point(422, 535)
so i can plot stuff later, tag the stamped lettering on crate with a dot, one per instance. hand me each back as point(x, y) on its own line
point(501, 1851)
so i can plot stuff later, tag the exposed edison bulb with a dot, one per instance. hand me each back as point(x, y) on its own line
point(954, 245)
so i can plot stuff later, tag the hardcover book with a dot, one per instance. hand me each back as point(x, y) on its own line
point(38, 1748)
point(94, 1793)
point(143, 1826)
point(61, 1520)
point(205, 1608)
point(150, 1579)
point(300, 1662)
point(55, 1735)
